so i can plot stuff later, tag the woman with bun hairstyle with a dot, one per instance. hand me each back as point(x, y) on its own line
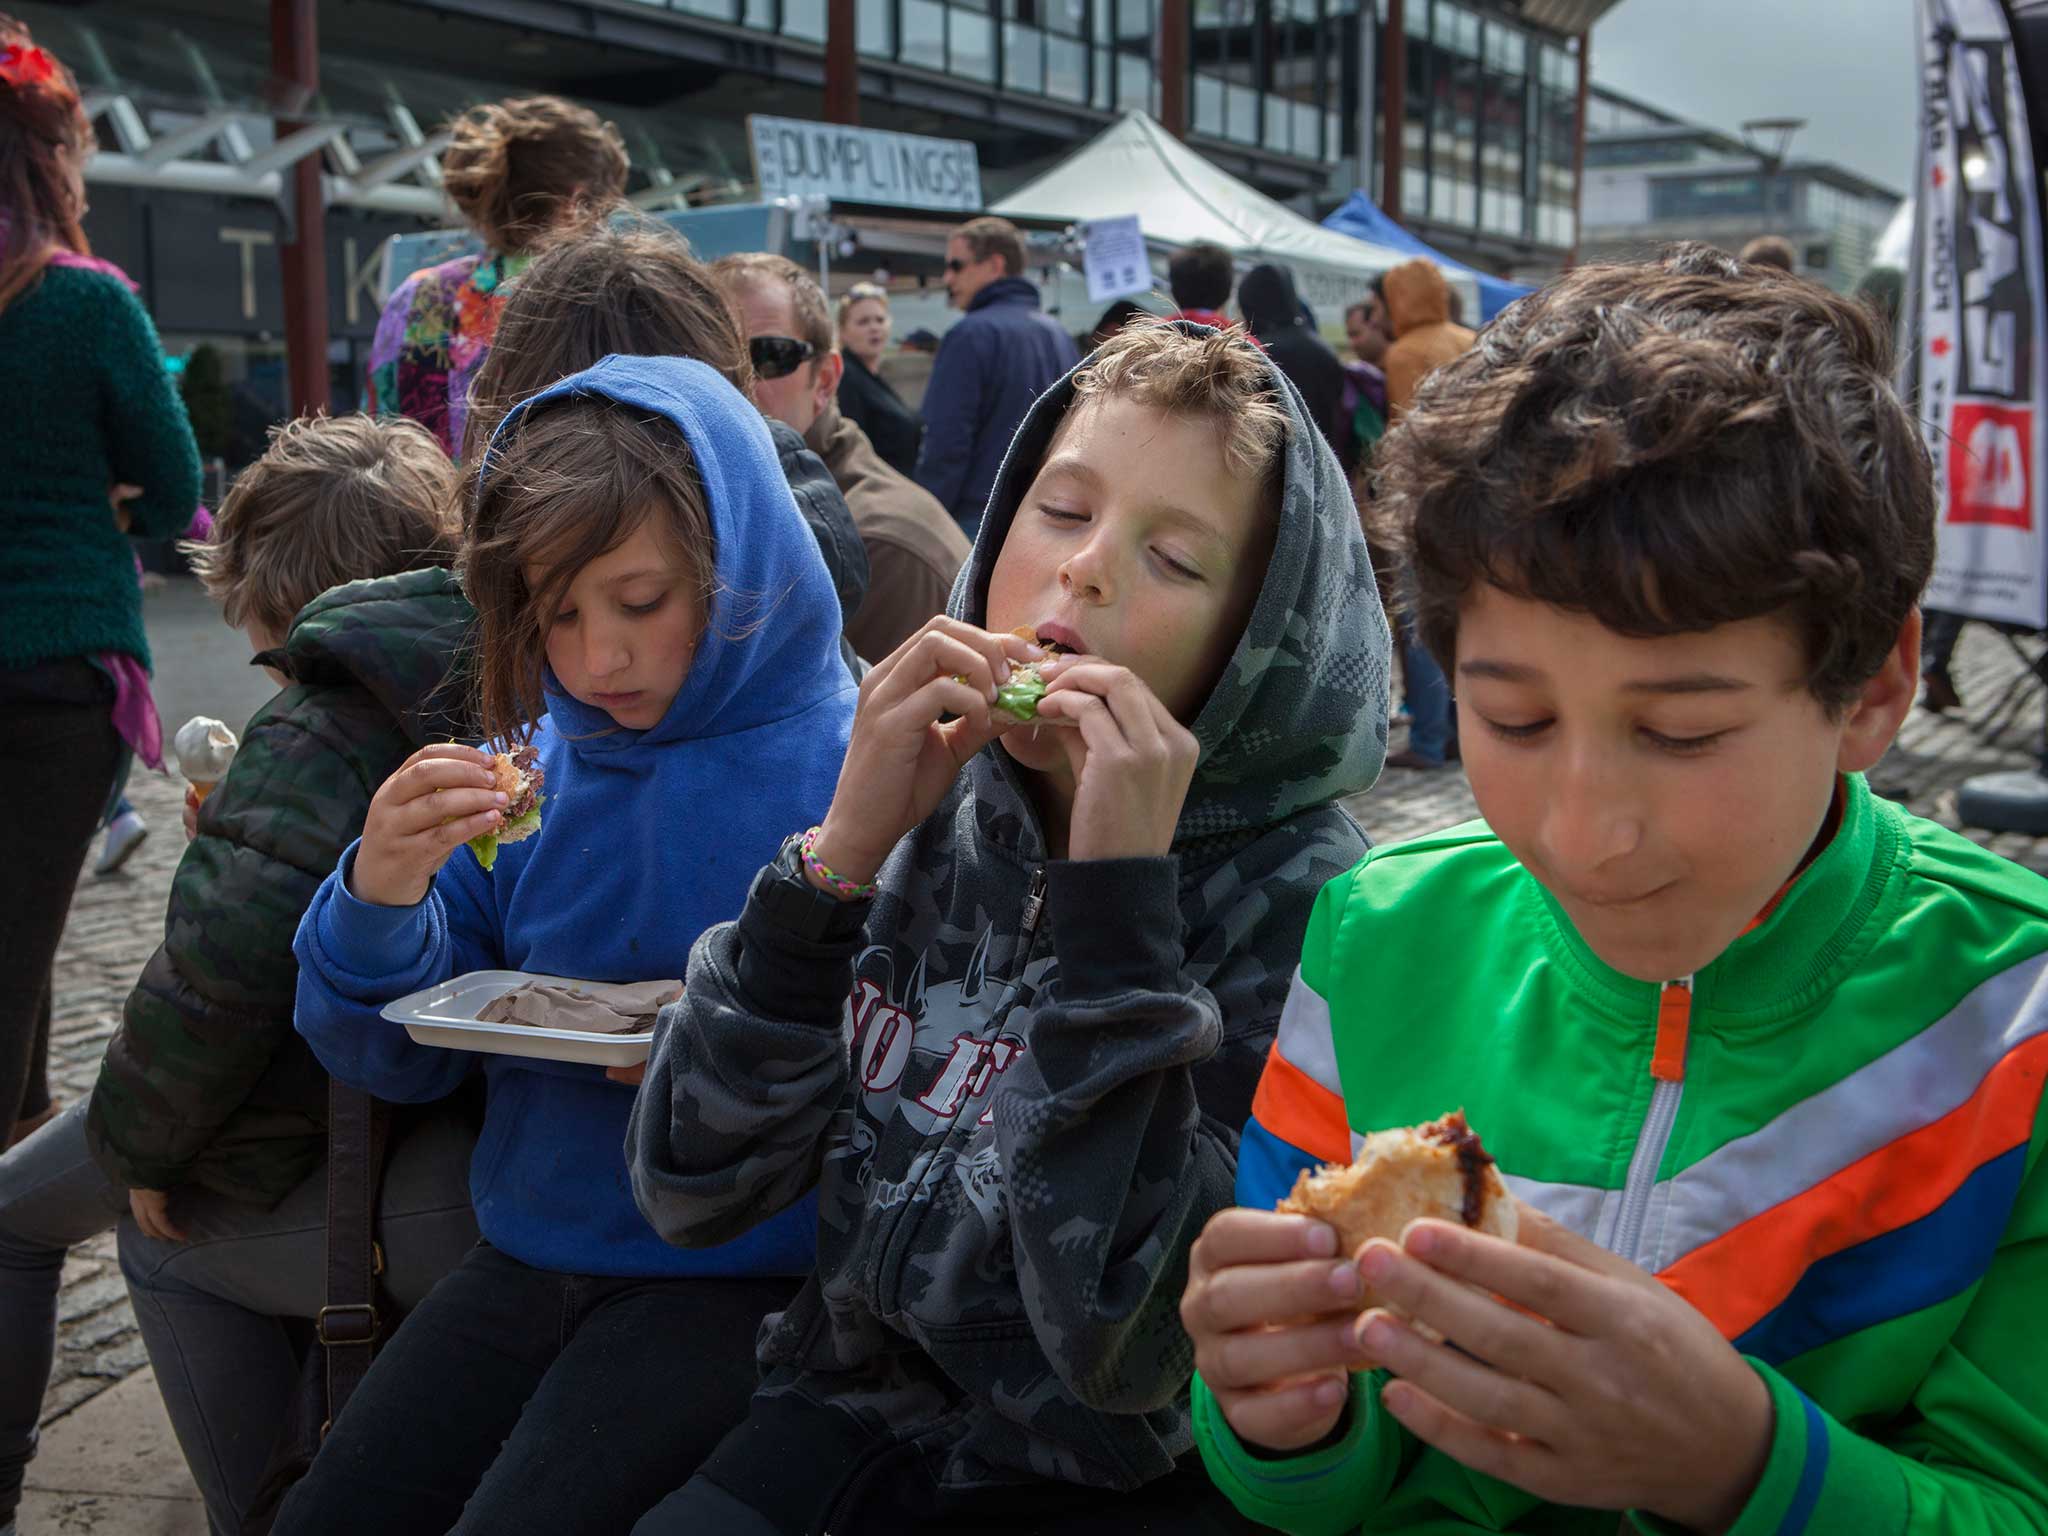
point(89, 407)
point(518, 170)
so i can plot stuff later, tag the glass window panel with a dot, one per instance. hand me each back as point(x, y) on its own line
point(875, 28)
point(1208, 105)
point(1134, 24)
point(759, 14)
point(924, 34)
point(970, 45)
point(721, 10)
point(1333, 140)
point(804, 19)
point(1104, 90)
point(1278, 121)
point(1415, 19)
point(1308, 123)
point(1242, 104)
point(1069, 18)
point(1066, 69)
point(1134, 82)
point(1023, 58)
point(1414, 192)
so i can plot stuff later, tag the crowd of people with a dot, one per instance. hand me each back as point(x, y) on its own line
point(946, 1196)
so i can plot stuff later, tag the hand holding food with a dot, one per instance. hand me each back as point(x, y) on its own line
point(204, 748)
point(518, 777)
point(1132, 762)
point(1273, 1297)
point(905, 751)
point(1572, 1373)
point(439, 798)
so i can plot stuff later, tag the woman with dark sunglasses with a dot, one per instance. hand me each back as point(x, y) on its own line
point(867, 399)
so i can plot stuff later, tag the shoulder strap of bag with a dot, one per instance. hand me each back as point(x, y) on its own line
point(358, 1127)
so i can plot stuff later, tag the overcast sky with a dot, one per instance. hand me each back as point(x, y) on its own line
point(1844, 65)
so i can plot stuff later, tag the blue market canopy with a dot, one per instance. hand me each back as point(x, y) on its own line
point(1361, 218)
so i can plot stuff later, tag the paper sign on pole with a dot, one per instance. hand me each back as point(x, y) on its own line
point(1113, 256)
point(1980, 348)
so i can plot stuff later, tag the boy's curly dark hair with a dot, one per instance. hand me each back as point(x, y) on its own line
point(1669, 446)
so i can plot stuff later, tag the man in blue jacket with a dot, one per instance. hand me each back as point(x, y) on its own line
point(1001, 355)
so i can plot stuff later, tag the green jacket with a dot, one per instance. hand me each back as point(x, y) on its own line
point(1829, 1142)
point(206, 1082)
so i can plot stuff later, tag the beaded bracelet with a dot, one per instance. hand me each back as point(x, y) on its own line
point(838, 884)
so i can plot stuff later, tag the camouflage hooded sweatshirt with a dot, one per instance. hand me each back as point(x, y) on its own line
point(1015, 1081)
point(206, 1082)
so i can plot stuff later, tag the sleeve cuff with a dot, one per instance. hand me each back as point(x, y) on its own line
point(1820, 1479)
point(796, 947)
point(372, 942)
point(1335, 1484)
point(1116, 925)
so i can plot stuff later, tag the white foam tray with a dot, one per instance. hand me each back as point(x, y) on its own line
point(446, 1015)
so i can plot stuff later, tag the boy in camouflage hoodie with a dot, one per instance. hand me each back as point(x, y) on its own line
point(1005, 1009)
point(208, 1124)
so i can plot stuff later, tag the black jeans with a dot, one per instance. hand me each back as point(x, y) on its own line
point(516, 1399)
point(803, 1468)
point(58, 755)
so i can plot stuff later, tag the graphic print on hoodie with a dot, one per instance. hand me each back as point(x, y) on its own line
point(649, 838)
point(1016, 1083)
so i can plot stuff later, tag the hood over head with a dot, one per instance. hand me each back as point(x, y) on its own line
point(402, 639)
point(1417, 295)
point(1267, 299)
point(771, 639)
point(1299, 715)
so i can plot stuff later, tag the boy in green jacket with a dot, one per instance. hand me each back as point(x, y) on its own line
point(1761, 1055)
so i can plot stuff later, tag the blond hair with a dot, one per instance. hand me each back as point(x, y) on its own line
point(806, 298)
point(860, 293)
point(1218, 375)
point(513, 168)
point(332, 500)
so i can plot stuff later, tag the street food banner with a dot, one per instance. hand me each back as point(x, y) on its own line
point(797, 158)
point(1977, 351)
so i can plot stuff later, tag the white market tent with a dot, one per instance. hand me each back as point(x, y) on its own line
point(1136, 166)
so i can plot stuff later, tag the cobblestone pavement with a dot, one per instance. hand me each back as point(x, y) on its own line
point(116, 922)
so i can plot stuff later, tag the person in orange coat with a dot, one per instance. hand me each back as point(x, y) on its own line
point(1418, 304)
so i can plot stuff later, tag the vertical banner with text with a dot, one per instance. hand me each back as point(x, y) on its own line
point(1977, 363)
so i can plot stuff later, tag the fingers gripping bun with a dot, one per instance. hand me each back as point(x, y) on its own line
point(1438, 1170)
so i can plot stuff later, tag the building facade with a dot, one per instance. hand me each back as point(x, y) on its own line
point(1652, 178)
point(1478, 101)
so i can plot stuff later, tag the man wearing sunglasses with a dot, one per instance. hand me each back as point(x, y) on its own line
point(999, 357)
point(914, 547)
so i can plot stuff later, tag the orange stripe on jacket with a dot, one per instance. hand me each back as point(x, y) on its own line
point(1301, 1111)
point(1738, 1277)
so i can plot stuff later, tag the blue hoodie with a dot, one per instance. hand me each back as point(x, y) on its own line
point(647, 839)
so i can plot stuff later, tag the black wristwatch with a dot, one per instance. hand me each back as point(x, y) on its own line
point(788, 898)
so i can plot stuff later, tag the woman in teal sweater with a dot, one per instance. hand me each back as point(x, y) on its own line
point(88, 405)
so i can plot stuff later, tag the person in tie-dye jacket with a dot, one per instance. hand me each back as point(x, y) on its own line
point(519, 171)
point(1760, 1053)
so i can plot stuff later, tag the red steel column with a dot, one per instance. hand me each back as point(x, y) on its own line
point(1173, 67)
point(295, 61)
point(1393, 56)
point(842, 63)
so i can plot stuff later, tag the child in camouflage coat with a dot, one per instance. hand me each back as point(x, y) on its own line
point(208, 1124)
point(1005, 1009)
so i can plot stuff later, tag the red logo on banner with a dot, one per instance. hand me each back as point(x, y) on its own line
point(1991, 465)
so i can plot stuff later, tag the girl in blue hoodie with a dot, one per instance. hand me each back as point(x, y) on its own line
point(656, 620)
